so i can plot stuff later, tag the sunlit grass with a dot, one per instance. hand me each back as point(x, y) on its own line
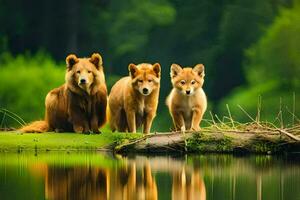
point(16, 142)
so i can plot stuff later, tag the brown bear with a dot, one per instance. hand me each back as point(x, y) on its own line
point(79, 105)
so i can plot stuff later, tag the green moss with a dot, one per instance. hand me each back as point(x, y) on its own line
point(205, 143)
point(262, 146)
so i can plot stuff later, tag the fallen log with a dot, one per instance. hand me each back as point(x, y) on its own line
point(214, 140)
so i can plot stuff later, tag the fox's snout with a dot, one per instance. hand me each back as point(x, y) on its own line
point(145, 90)
point(188, 91)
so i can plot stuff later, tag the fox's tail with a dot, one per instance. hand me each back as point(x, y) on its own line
point(35, 127)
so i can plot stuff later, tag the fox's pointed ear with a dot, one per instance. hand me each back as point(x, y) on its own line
point(132, 69)
point(156, 69)
point(71, 60)
point(175, 70)
point(96, 59)
point(199, 69)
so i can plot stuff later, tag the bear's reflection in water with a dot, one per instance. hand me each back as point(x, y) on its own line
point(134, 181)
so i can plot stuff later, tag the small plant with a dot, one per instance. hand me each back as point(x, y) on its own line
point(13, 116)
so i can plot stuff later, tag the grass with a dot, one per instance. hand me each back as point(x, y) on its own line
point(16, 142)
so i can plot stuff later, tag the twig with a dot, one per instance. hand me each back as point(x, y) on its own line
point(13, 116)
point(288, 134)
point(248, 115)
point(221, 122)
point(280, 111)
point(2, 121)
point(230, 117)
point(258, 109)
point(119, 147)
point(294, 107)
point(212, 117)
point(295, 117)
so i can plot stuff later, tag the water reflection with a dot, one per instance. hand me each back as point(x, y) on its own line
point(98, 176)
point(135, 180)
point(76, 183)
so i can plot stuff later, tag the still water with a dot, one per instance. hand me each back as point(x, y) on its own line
point(104, 176)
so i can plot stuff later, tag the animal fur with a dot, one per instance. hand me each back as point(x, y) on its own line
point(79, 105)
point(133, 99)
point(187, 101)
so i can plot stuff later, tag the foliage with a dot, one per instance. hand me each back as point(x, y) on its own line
point(188, 32)
point(272, 69)
point(276, 101)
point(276, 55)
point(135, 18)
point(25, 81)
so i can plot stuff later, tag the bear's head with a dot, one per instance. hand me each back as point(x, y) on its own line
point(84, 74)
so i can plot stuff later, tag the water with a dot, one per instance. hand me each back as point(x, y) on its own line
point(103, 176)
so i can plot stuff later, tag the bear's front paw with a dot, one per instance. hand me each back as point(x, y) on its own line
point(78, 129)
point(87, 132)
point(96, 131)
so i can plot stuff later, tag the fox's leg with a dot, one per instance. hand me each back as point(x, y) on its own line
point(130, 115)
point(148, 122)
point(196, 119)
point(178, 120)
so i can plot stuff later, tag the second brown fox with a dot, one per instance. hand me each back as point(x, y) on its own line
point(133, 100)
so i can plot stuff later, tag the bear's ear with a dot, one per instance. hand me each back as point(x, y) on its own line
point(175, 70)
point(71, 60)
point(96, 59)
point(199, 69)
point(156, 69)
point(132, 69)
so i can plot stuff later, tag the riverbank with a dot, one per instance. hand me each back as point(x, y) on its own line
point(16, 142)
point(246, 138)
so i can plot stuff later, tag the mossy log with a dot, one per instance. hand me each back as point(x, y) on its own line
point(219, 141)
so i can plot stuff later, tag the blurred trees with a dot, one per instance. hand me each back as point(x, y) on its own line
point(189, 32)
point(25, 82)
point(272, 69)
point(277, 53)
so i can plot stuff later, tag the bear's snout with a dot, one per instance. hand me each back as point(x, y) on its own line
point(82, 81)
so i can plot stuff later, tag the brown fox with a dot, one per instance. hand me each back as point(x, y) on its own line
point(133, 99)
point(187, 100)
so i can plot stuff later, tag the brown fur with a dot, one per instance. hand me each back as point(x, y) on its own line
point(188, 186)
point(187, 101)
point(76, 106)
point(94, 183)
point(128, 106)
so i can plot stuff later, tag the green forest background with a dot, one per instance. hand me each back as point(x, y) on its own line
point(250, 48)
